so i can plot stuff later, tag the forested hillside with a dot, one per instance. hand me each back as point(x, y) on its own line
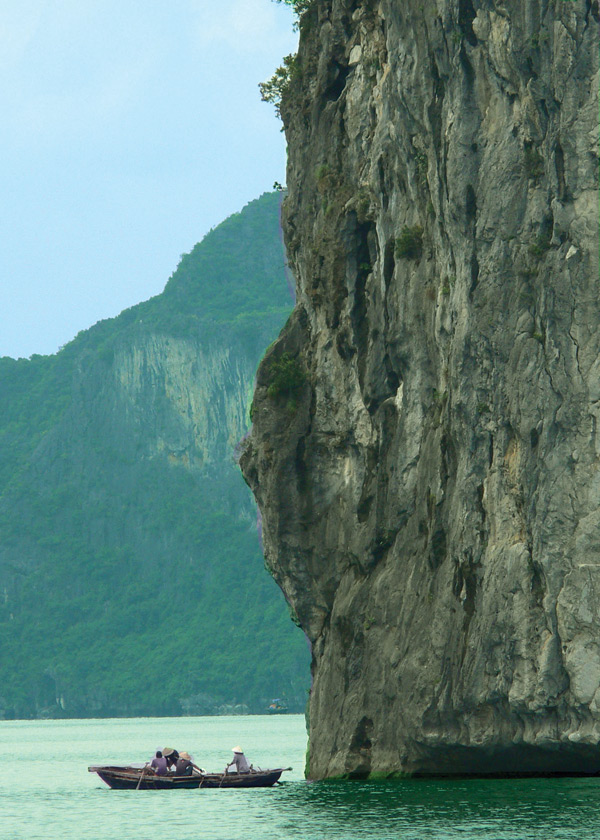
point(131, 574)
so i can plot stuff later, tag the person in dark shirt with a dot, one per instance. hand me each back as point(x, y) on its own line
point(171, 755)
point(184, 766)
point(159, 764)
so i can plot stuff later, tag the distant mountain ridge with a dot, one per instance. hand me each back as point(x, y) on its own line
point(130, 570)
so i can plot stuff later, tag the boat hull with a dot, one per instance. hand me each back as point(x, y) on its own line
point(133, 778)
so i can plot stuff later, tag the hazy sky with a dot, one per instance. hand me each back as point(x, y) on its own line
point(129, 129)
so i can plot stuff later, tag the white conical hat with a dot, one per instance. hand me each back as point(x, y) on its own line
point(237, 749)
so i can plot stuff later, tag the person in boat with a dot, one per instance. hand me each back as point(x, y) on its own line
point(184, 766)
point(159, 764)
point(239, 762)
point(172, 756)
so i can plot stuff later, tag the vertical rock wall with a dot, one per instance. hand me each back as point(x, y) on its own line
point(431, 493)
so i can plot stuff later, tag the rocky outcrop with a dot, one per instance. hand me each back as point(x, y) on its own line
point(431, 494)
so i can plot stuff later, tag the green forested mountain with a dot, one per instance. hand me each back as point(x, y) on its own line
point(131, 577)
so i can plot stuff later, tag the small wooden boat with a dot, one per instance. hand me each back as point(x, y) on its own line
point(138, 778)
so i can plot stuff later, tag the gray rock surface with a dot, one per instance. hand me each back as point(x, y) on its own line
point(431, 493)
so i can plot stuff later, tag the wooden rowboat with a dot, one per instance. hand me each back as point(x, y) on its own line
point(137, 778)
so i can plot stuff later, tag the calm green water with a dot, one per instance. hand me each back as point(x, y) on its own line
point(47, 793)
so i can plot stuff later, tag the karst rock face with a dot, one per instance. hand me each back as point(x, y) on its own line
point(430, 493)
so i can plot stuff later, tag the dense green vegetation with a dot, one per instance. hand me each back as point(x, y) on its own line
point(132, 580)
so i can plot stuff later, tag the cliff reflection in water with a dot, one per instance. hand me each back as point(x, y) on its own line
point(417, 809)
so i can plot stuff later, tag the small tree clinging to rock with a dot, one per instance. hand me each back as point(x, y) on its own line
point(286, 376)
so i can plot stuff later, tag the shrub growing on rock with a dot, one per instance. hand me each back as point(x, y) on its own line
point(409, 245)
point(286, 377)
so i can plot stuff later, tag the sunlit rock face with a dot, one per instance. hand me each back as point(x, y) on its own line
point(197, 397)
point(431, 494)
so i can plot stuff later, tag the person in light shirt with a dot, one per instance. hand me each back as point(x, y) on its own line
point(159, 764)
point(239, 762)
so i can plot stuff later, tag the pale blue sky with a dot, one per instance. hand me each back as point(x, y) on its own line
point(129, 129)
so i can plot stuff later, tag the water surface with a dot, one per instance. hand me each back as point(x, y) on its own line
point(46, 792)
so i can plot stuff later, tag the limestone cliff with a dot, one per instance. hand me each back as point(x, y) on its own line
point(430, 497)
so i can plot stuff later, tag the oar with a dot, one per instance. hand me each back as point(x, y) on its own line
point(141, 776)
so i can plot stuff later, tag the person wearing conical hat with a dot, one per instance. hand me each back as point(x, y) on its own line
point(172, 756)
point(184, 766)
point(239, 761)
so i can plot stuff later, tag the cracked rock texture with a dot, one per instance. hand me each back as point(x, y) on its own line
point(431, 493)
